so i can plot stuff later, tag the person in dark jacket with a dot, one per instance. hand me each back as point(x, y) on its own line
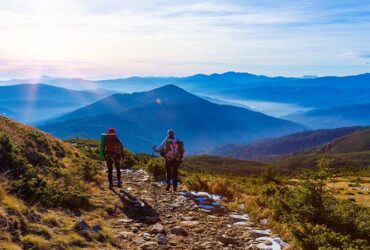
point(173, 154)
point(113, 154)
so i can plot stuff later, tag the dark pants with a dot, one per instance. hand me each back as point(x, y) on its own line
point(116, 163)
point(172, 173)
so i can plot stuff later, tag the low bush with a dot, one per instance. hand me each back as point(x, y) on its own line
point(155, 167)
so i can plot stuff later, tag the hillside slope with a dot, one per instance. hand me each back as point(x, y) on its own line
point(351, 152)
point(143, 118)
point(270, 148)
point(52, 197)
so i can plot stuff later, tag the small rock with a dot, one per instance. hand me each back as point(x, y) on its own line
point(147, 236)
point(242, 224)
point(157, 228)
point(187, 218)
point(226, 240)
point(199, 230)
point(126, 235)
point(149, 245)
point(207, 245)
point(264, 222)
point(82, 226)
point(96, 228)
point(190, 223)
point(139, 241)
point(162, 239)
point(179, 231)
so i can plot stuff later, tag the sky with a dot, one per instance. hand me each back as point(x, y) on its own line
point(97, 39)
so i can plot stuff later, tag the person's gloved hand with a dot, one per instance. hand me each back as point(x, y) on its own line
point(154, 147)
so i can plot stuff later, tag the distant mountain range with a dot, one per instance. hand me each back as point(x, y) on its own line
point(338, 116)
point(33, 102)
point(307, 91)
point(143, 118)
point(272, 148)
point(301, 94)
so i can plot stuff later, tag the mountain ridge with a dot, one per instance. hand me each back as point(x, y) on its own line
point(198, 121)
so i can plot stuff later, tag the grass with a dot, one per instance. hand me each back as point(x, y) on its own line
point(216, 164)
point(347, 187)
point(36, 242)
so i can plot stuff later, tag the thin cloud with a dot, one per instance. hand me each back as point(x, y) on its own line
point(184, 37)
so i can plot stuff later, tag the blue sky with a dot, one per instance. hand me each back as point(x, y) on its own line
point(102, 39)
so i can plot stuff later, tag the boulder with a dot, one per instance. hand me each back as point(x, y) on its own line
point(81, 225)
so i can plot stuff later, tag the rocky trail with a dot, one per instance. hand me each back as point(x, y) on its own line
point(145, 216)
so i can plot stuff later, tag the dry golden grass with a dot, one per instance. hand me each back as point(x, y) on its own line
point(352, 188)
point(32, 241)
point(9, 246)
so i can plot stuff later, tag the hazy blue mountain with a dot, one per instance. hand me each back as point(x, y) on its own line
point(33, 102)
point(339, 116)
point(143, 118)
point(63, 82)
point(271, 148)
point(306, 91)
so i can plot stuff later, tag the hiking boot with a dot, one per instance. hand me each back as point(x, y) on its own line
point(175, 189)
point(111, 186)
point(168, 188)
point(119, 184)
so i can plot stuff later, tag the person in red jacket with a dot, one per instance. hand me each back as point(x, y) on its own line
point(113, 154)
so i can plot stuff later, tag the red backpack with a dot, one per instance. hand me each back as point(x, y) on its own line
point(112, 144)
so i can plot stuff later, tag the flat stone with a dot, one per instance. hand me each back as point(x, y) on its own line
point(190, 223)
point(125, 221)
point(149, 245)
point(237, 217)
point(179, 231)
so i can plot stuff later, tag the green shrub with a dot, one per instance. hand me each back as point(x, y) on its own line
point(321, 237)
point(11, 157)
point(316, 218)
point(156, 169)
point(90, 170)
point(71, 197)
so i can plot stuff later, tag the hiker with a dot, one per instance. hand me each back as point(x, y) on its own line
point(172, 150)
point(113, 154)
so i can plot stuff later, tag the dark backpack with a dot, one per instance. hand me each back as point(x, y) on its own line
point(173, 150)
